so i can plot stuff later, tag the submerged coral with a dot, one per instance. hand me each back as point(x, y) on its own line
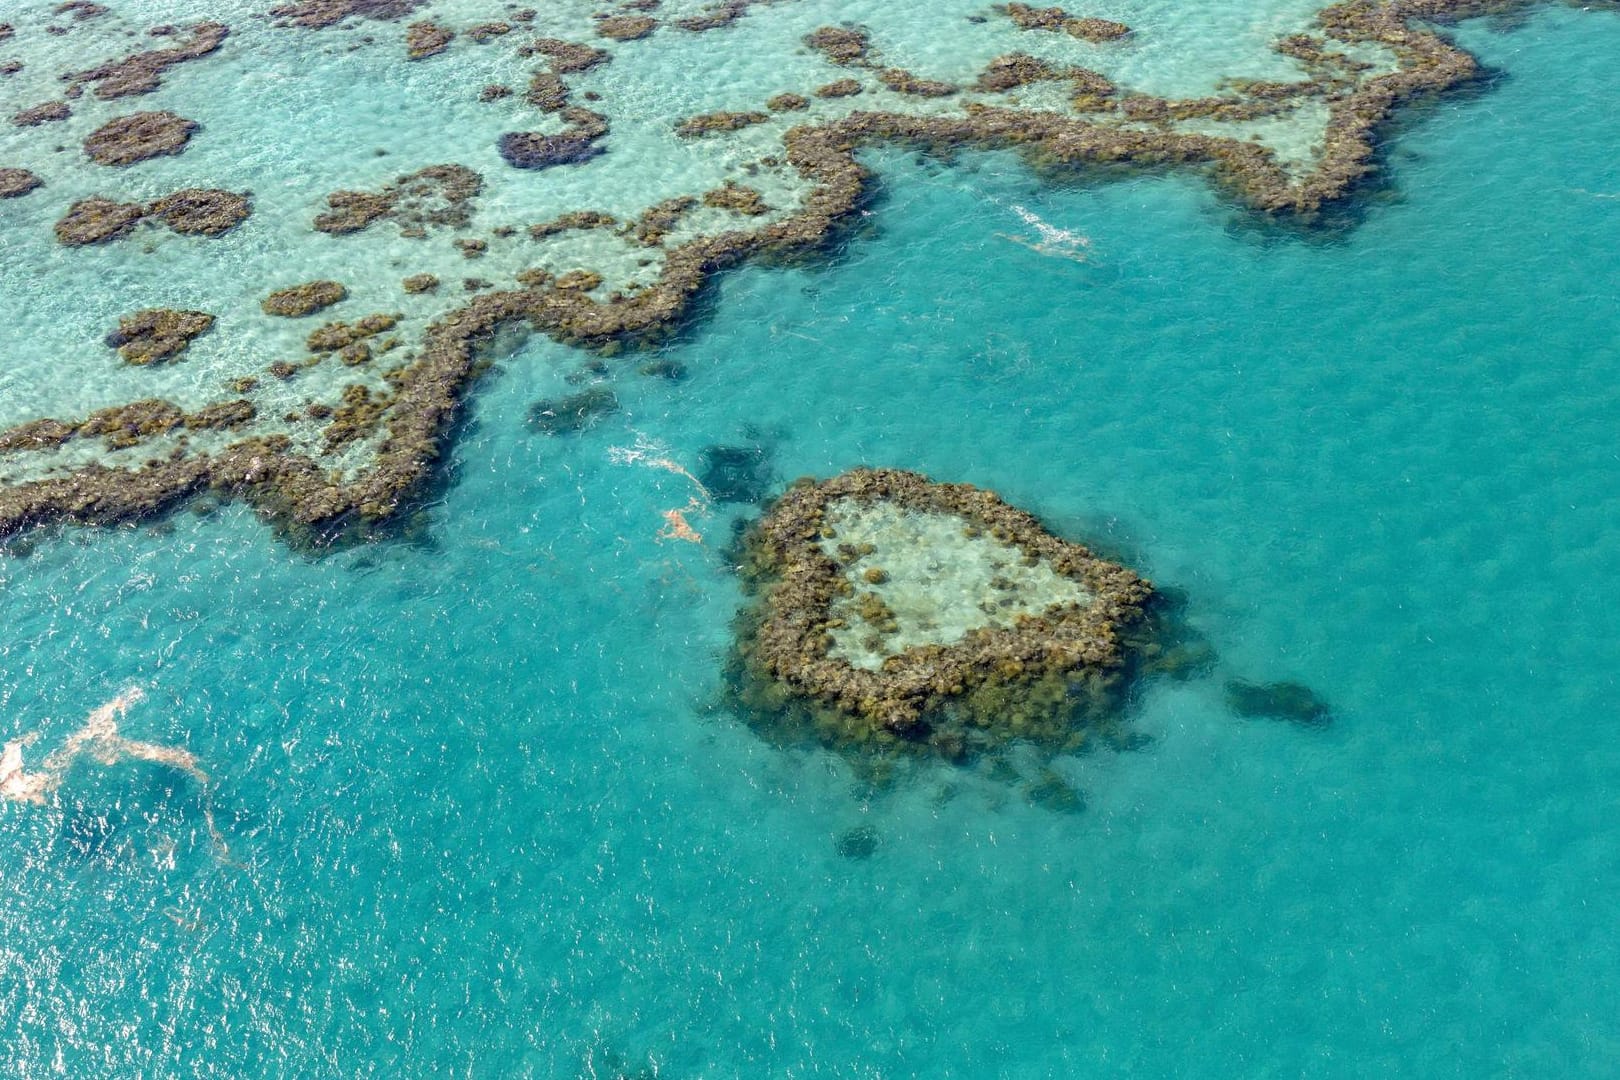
point(96, 220)
point(190, 211)
point(46, 112)
point(17, 182)
point(626, 27)
point(155, 334)
point(319, 14)
point(439, 195)
point(1059, 21)
point(1290, 701)
point(424, 39)
point(576, 412)
point(138, 136)
point(201, 211)
point(1360, 60)
point(142, 72)
point(306, 299)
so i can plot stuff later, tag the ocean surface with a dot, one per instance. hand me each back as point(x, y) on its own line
point(477, 809)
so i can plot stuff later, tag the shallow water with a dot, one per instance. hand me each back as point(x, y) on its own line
point(481, 815)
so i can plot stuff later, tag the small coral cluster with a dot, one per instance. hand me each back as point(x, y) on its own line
point(439, 195)
point(190, 212)
point(138, 136)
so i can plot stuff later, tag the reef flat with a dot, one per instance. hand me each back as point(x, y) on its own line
point(594, 200)
point(902, 611)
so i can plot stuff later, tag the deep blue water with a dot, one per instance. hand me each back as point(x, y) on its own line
point(482, 816)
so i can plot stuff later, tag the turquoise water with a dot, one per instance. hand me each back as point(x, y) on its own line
point(480, 814)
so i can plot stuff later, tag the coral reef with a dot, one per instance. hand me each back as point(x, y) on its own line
point(567, 57)
point(902, 81)
point(319, 14)
point(575, 219)
point(1055, 637)
point(723, 14)
point(839, 88)
point(575, 145)
point(96, 220)
point(736, 198)
point(708, 123)
point(154, 334)
point(1057, 20)
point(426, 38)
point(80, 9)
point(294, 485)
point(306, 299)
point(138, 136)
point(45, 112)
point(658, 219)
point(439, 195)
point(420, 283)
point(201, 211)
point(356, 418)
point(189, 211)
point(532, 150)
point(339, 335)
point(1014, 70)
point(547, 92)
point(142, 72)
point(17, 182)
point(626, 27)
point(840, 44)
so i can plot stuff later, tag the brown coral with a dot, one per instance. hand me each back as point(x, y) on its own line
point(96, 220)
point(708, 123)
point(17, 182)
point(142, 72)
point(157, 334)
point(426, 38)
point(1056, 20)
point(137, 137)
point(839, 88)
point(45, 112)
point(737, 198)
point(567, 57)
point(439, 195)
point(306, 299)
point(298, 488)
point(201, 211)
point(626, 27)
point(840, 44)
point(319, 14)
point(902, 81)
point(786, 638)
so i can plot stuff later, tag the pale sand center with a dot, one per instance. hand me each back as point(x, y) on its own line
point(937, 577)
